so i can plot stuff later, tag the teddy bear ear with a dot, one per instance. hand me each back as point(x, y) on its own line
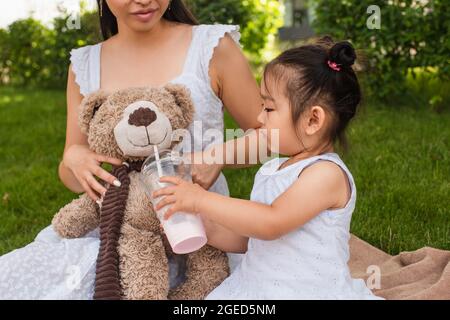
point(183, 99)
point(88, 107)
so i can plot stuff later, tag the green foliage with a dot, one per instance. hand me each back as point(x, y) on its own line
point(27, 48)
point(258, 20)
point(3, 56)
point(414, 35)
point(38, 56)
point(66, 38)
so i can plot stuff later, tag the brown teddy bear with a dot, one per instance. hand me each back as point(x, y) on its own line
point(134, 255)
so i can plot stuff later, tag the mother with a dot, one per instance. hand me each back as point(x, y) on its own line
point(147, 43)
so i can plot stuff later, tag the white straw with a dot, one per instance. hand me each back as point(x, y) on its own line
point(158, 163)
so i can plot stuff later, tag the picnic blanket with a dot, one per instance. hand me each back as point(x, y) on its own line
point(421, 274)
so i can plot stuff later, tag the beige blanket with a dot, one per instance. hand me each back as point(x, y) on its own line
point(419, 274)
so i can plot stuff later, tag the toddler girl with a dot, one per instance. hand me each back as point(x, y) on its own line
point(297, 221)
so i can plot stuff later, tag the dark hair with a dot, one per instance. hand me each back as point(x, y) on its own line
point(310, 80)
point(178, 12)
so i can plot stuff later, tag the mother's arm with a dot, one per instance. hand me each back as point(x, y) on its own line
point(233, 82)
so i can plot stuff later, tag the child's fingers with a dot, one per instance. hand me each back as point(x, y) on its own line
point(170, 212)
point(164, 191)
point(173, 180)
point(165, 201)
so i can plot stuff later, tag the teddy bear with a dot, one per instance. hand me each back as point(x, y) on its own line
point(135, 260)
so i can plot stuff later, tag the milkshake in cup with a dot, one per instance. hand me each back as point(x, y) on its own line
point(184, 231)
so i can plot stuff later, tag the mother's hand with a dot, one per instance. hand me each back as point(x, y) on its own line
point(203, 174)
point(86, 165)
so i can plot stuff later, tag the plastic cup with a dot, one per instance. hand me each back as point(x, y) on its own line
point(184, 231)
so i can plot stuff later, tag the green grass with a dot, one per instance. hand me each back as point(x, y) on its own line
point(400, 158)
point(32, 129)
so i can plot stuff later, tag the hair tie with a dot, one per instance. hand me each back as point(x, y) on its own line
point(334, 65)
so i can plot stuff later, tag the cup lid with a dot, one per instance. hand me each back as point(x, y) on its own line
point(164, 155)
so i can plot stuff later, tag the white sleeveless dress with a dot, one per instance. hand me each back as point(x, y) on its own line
point(56, 268)
point(307, 263)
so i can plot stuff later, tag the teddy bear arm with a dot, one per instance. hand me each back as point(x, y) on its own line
point(206, 269)
point(76, 218)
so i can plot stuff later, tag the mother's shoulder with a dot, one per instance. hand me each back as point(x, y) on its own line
point(220, 29)
point(219, 38)
point(84, 50)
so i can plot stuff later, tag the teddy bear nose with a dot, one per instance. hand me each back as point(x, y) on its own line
point(142, 117)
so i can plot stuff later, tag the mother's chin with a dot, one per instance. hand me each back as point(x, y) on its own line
point(137, 17)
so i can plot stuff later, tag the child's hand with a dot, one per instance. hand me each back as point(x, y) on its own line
point(183, 195)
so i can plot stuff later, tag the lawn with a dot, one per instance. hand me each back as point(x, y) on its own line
point(399, 156)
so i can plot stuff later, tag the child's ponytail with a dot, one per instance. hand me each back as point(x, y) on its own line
point(343, 54)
